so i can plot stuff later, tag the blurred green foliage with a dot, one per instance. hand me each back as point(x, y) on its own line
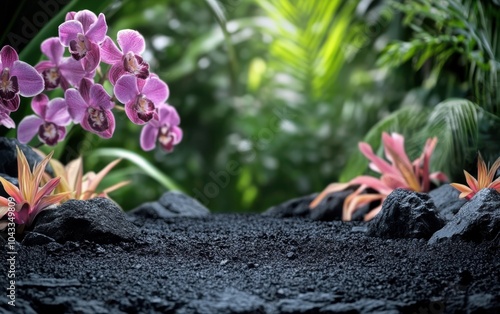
point(274, 95)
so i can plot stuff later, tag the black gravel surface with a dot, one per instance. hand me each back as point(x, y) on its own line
point(227, 263)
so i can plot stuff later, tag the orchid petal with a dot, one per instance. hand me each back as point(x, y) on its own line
point(97, 31)
point(72, 71)
point(126, 88)
point(30, 81)
point(86, 18)
point(44, 65)
point(115, 72)
point(155, 90)
point(57, 112)
point(28, 128)
point(8, 55)
point(110, 54)
point(131, 41)
point(149, 135)
point(92, 58)
point(53, 49)
point(39, 104)
point(100, 97)
point(6, 120)
point(11, 104)
point(168, 115)
point(68, 31)
point(76, 104)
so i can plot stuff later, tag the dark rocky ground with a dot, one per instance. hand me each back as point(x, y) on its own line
point(255, 264)
point(424, 253)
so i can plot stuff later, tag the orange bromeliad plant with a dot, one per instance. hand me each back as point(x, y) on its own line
point(30, 199)
point(485, 179)
point(82, 186)
point(397, 172)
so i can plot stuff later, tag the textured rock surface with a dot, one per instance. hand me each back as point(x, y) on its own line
point(297, 207)
point(329, 209)
point(446, 200)
point(406, 214)
point(171, 204)
point(99, 220)
point(241, 264)
point(8, 156)
point(478, 220)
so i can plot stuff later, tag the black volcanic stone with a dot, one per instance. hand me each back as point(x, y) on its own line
point(446, 200)
point(99, 220)
point(297, 207)
point(330, 208)
point(405, 214)
point(8, 156)
point(171, 204)
point(193, 265)
point(478, 220)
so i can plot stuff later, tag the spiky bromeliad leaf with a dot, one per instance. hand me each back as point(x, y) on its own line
point(404, 121)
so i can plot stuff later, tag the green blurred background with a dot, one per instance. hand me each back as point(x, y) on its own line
point(274, 95)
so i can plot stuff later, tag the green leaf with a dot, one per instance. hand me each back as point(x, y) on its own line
point(140, 162)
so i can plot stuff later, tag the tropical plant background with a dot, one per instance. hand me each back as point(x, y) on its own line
point(283, 90)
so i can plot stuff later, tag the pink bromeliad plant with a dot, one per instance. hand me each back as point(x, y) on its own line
point(396, 172)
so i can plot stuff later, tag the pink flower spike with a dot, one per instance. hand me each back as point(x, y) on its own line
point(16, 78)
point(141, 97)
point(165, 130)
point(50, 124)
point(91, 107)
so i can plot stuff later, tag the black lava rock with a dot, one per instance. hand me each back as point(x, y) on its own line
point(99, 220)
point(446, 200)
point(405, 214)
point(478, 220)
point(8, 156)
point(297, 207)
point(330, 208)
point(171, 204)
point(229, 301)
point(35, 238)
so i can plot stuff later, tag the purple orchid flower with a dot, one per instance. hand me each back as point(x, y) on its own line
point(58, 71)
point(82, 35)
point(5, 119)
point(165, 130)
point(91, 106)
point(141, 97)
point(128, 60)
point(16, 78)
point(50, 121)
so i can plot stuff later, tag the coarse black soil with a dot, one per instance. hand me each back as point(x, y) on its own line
point(229, 263)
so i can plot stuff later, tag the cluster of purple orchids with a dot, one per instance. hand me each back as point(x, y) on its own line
point(85, 101)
